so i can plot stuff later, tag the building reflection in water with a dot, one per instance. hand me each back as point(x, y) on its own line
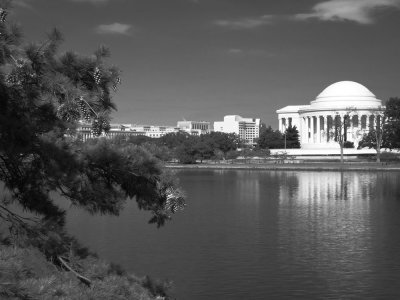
point(324, 227)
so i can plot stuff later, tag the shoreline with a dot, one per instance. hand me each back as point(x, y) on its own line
point(308, 166)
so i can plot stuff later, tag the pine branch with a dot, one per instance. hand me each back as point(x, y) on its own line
point(83, 279)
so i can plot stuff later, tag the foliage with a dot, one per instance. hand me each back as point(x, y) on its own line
point(281, 155)
point(188, 148)
point(224, 142)
point(26, 274)
point(203, 149)
point(377, 136)
point(232, 154)
point(348, 144)
point(139, 140)
point(369, 140)
point(160, 152)
point(385, 132)
point(174, 140)
point(292, 137)
point(338, 133)
point(262, 153)
point(270, 139)
point(43, 97)
point(186, 153)
point(156, 287)
point(392, 115)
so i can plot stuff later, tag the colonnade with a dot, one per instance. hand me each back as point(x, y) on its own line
point(322, 129)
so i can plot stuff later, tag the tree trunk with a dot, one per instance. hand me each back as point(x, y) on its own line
point(378, 154)
point(341, 153)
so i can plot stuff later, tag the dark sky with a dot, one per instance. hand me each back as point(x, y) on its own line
point(203, 59)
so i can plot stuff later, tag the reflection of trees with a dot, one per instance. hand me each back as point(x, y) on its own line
point(388, 186)
point(288, 184)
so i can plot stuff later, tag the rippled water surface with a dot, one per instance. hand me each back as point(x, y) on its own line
point(264, 235)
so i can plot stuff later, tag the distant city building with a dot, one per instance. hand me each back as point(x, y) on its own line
point(85, 130)
point(194, 127)
point(248, 129)
point(154, 131)
point(123, 130)
point(315, 122)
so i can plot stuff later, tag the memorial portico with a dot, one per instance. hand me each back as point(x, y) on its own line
point(317, 122)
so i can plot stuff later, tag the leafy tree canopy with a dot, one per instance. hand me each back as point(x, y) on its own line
point(43, 96)
point(270, 139)
point(292, 137)
point(392, 126)
point(224, 142)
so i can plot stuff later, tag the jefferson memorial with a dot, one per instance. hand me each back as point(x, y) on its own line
point(316, 122)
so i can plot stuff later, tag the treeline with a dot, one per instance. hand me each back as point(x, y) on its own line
point(189, 149)
point(385, 130)
point(274, 139)
point(44, 170)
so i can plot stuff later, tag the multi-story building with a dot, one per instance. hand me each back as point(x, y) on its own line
point(152, 131)
point(248, 129)
point(123, 130)
point(194, 127)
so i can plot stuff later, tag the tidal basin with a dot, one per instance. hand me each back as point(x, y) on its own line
point(257, 234)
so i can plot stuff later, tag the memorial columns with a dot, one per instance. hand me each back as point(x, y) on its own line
point(341, 124)
point(312, 129)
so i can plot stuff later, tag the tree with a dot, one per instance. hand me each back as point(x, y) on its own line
point(43, 97)
point(262, 153)
point(174, 139)
point(270, 139)
point(377, 134)
point(138, 140)
point(392, 115)
point(341, 122)
point(292, 137)
point(186, 152)
point(160, 152)
point(203, 150)
point(232, 154)
point(224, 142)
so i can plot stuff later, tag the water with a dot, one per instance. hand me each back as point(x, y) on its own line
point(264, 235)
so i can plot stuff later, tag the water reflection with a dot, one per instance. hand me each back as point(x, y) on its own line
point(248, 187)
point(264, 235)
point(325, 186)
point(325, 231)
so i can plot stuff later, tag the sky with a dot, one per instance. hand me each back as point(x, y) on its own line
point(204, 59)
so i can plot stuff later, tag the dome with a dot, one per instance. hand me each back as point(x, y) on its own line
point(346, 94)
point(345, 89)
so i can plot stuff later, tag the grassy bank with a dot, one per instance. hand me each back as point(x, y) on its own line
point(290, 165)
point(26, 274)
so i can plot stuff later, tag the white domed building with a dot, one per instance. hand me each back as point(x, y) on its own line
point(315, 122)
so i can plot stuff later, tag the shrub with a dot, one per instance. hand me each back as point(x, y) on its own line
point(348, 144)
